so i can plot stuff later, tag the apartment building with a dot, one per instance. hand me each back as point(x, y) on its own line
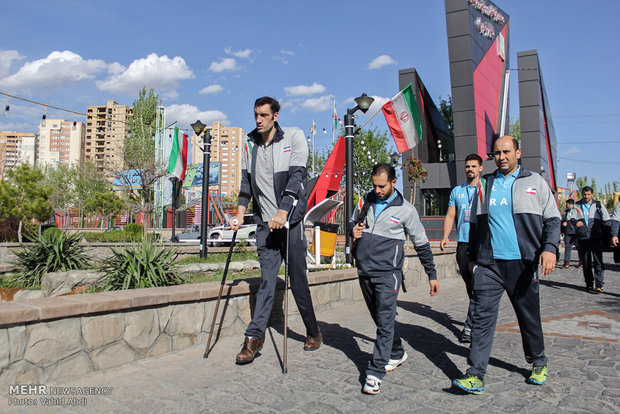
point(226, 146)
point(16, 148)
point(106, 128)
point(59, 142)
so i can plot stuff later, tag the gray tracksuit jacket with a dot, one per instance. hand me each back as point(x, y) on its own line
point(380, 250)
point(615, 220)
point(290, 155)
point(535, 214)
point(597, 218)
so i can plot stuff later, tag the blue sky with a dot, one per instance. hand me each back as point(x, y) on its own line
point(211, 59)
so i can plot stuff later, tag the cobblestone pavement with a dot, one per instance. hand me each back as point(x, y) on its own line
point(581, 332)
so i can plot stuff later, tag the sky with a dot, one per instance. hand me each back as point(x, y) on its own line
point(210, 60)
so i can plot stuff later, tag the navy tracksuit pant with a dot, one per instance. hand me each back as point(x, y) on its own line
point(271, 249)
point(520, 281)
point(462, 260)
point(591, 256)
point(381, 295)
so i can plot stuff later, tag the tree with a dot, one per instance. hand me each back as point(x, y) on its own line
point(369, 148)
point(416, 174)
point(106, 204)
point(514, 129)
point(445, 109)
point(139, 153)
point(25, 196)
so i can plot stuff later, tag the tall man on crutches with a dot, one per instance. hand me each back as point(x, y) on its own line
point(274, 175)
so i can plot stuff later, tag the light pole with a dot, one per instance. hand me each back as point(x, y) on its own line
point(363, 103)
point(199, 128)
point(175, 201)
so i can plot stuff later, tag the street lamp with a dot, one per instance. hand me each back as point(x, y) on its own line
point(362, 103)
point(199, 128)
point(175, 202)
point(394, 158)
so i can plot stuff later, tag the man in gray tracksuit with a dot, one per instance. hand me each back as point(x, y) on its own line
point(274, 175)
point(514, 229)
point(380, 226)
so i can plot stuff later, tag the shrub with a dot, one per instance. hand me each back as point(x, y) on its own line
point(135, 228)
point(54, 251)
point(141, 266)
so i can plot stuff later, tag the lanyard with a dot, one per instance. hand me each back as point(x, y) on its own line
point(470, 197)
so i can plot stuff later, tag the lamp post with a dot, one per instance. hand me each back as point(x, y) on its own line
point(175, 182)
point(199, 128)
point(362, 103)
point(394, 158)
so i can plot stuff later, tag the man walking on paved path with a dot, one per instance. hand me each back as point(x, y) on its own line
point(274, 175)
point(592, 215)
point(459, 207)
point(569, 217)
point(515, 228)
point(380, 228)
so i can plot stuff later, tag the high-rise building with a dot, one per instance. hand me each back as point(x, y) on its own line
point(226, 146)
point(106, 128)
point(16, 148)
point(59, 142)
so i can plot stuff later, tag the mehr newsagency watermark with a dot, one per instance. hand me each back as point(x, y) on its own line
point(35, 395)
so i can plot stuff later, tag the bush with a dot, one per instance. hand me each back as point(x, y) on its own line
point(115, 236)
point(135, 228)
point(142, 266)
point(54, 251)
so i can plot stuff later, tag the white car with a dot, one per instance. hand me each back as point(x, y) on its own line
point(221, 235)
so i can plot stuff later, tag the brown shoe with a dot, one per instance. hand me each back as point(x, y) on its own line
point(313, 342)
point(251, 346)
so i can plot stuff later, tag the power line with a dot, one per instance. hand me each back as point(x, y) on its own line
point(590, 161)
point(589, 142)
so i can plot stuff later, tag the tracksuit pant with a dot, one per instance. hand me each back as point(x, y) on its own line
point(381, 295)
point(520, 281)
point(569, 239)
point(271, 249)
point(462, 260)
point(591, 255)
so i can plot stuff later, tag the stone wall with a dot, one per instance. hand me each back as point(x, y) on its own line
point(51, 338)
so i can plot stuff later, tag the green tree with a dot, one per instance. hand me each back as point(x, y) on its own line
point(25, 196)
point(106, 204)
point(445, 109)
point(139, 153)
point(416, 174)
point(514, 129)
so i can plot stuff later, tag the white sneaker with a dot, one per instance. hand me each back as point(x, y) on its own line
point(372, 386)
point(395, 363)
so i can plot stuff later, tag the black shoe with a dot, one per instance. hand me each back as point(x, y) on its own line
point(465, 337)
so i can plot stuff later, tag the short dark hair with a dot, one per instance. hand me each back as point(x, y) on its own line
point(476, 157)
point(570, 201)
point(384, 167)
point(587, 188)
point(268, 100)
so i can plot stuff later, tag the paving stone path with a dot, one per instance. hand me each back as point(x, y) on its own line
point(582, 333)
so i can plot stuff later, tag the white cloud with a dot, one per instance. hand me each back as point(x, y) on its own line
point(6, 60)
point(284, 56)
point(304, 90)
point(186, 115)
point(573, 150)
point(381, 61)
point(57, 69)
point(223, 65)
point(212, 89)
point(318, 104)
point(158, 72)
point(242, 54)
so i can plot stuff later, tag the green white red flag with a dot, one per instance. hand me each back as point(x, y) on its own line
point(177, 165)
point(403, 119)
point(335, 123)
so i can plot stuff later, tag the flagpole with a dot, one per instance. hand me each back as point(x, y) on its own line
point(375, 114)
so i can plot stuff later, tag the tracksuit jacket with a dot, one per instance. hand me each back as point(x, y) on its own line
point(535, 214)
point(380, 251)
point(597, 218)
point(290, 155)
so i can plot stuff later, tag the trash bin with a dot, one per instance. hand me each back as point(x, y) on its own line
point(329, 231)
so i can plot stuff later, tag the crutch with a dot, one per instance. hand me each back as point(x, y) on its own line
point(219, 296)
point(288, 234)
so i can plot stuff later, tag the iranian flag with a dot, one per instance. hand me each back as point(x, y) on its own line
point(178, 156)
point(403, 119)
point(335, 126)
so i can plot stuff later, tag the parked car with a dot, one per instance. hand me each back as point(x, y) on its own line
point(191, 234)
point(221, 235)
point(113, 228)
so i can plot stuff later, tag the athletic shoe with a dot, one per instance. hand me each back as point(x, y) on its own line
point(372, 385)
point(589, 289)
point(470, 383)
point(566, 265)
point(539, 375)
point(598, 290)
point(465, 337)
point(395, 363)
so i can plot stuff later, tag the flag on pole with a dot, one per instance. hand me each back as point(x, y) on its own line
point(403, 119)
point(313, 127)
point(177, 165)
point(335, 123)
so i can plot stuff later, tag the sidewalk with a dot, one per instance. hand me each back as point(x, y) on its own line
point(582, 333)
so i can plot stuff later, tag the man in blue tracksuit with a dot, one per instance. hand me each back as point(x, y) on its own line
point(459, 209)
point(380, 227)
point(274, 176)
point(515, 228)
